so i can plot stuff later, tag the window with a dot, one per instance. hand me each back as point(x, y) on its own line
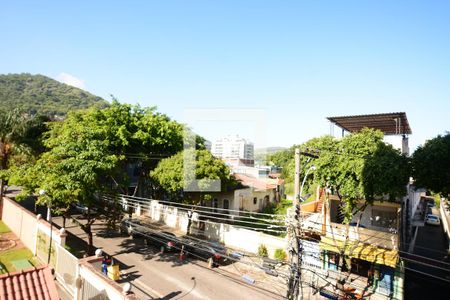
point(255, 200)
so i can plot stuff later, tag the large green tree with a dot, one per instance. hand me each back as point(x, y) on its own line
point(360, 166)
point(170, 175)
point(431, 165)
point(89, 152)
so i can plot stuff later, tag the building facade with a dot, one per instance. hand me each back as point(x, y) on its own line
point(233, 148)
point(359, 259)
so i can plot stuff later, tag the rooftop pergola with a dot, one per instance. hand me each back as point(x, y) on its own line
point(389, 123)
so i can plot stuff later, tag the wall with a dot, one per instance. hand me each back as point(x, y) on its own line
point(26, 225)
point(247, 196)
point(231, 236)
point(445, 220)
point(367, 215)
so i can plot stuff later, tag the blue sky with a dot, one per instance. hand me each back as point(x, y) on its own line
point(298, 61)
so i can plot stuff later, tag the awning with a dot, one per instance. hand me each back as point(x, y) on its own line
point(356, 249)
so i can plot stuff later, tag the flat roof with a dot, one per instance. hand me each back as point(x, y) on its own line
point(395, 123)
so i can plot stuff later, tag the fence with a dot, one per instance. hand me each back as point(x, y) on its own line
point(234, 237)
point(66, 269)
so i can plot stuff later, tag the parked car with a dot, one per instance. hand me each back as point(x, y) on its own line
point(84, 210)
point(430, 204)
point(166, 241)
point(432, 220)
point(132, 227)
point(214, 253)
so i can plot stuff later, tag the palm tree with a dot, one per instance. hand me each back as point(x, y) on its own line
point(13, 127)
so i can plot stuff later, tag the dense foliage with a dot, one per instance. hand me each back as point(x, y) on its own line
point(20, 138)
point(90, 150)
point(359, 166)
point(38, 94)
point(170, 174)
point(431, 165)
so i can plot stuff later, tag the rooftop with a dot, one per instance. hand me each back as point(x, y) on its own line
point(36, 283)
point(395, 123)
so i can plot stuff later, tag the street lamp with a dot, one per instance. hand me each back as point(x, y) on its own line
point(312, 168)
point(49, 205)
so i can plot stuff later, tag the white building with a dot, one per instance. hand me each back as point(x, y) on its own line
point(233, 148)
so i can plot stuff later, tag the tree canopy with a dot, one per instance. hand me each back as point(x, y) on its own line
point(360, 166)
point(431, 165)
point(171, 177)
point(38, 94)
point(20, 137)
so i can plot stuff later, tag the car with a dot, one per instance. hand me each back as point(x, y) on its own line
point(132, 227)
point(166, 241)
point(84, 210)
point(430, 204)
point(432, 220)
point(214, 253)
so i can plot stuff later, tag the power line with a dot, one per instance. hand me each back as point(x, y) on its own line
point(205, 209)
point(192, 205)
point(211, 222)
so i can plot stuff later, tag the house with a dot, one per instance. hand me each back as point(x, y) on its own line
point(361, 256)
point(252, 194)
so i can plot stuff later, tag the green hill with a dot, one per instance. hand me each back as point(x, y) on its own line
point(43, 95)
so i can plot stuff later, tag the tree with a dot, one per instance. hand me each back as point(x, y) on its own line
point(169, 173)
point(360, 166)
point(89, 152)
point(19, 134)
point(431, 165)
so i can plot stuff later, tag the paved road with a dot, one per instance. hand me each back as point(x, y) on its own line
point(164, 276)
point(422, 278)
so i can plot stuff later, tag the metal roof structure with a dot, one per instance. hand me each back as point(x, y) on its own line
point(394, 123)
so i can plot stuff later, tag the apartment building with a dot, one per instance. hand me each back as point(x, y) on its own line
point(234, 150)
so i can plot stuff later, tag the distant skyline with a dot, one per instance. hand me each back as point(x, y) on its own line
point(297, 61)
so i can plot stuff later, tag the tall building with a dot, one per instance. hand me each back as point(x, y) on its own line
point(234, 149)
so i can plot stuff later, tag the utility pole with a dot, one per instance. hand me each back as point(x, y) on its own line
point(294, 283)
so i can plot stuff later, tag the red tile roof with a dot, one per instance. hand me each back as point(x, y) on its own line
point(261, 184)
point(36, 283)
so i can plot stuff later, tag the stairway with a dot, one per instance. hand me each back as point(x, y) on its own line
point(321, 200)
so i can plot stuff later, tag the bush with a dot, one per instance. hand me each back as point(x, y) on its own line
point(280, 254)
point(262, 251)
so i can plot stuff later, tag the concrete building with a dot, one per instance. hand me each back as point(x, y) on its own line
point(234, 150)
point(360, 258)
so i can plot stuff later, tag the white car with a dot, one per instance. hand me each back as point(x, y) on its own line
point(433, 220)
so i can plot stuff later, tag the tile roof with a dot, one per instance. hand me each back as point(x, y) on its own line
point(261, 184)
point(36, 283)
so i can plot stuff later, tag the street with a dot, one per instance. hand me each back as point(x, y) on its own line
point(423, 276)
point(165, 276)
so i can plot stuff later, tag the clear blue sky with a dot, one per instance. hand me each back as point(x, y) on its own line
point(299, 61)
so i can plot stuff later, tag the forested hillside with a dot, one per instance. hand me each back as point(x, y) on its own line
point(43, 95)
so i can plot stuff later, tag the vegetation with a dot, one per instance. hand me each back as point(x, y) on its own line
point(90, 150)
point(7, 257)
point(170, 174)
point(431, 165)
point(280, 254)
point(359, 166)
point(262, 251)
point(20, 137)
point(3, 227)
point(38, 94)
